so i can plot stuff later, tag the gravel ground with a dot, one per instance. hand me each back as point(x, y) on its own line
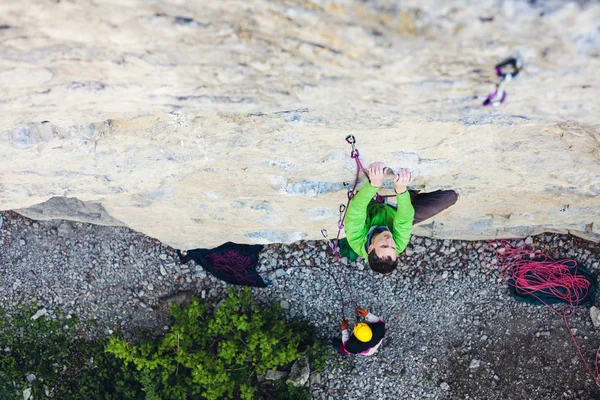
point(453, 330)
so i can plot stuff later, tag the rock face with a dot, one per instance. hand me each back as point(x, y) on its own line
point(203, 122)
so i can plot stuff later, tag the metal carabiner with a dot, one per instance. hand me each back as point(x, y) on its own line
point(324, 233)
point(496, 98)
point(351, 139)
point(342, 208)
point(513, 62)
point(354, 153)
point(499, 95)
point(351, 194)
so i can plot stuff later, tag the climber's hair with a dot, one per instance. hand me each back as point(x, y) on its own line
point(382, 265)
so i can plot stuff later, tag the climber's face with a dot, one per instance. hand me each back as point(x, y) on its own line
point(383, 245)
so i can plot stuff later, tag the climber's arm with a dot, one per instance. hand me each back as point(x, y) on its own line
point(405, 213)
point(356, 216)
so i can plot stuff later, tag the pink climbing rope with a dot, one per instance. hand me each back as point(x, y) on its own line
point(343, 209)
point(530, 272)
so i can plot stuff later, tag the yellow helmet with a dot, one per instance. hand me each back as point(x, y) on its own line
point(363, 332)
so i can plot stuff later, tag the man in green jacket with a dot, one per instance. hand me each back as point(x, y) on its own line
point(379, 232)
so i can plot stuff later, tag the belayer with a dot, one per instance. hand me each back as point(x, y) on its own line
point(366, 336)
point(378, 231)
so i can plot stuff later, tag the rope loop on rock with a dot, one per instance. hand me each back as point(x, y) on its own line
point(530, 272)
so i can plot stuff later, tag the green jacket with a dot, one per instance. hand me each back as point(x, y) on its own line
point(363, 214)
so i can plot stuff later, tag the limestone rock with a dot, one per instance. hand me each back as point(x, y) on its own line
point(273, 375)
point(300, 373)
point(226, 129)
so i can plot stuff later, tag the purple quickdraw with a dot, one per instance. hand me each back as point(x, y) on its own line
point(497, 97)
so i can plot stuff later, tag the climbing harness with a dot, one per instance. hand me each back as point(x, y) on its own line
point(497, 97)
point(530, 272)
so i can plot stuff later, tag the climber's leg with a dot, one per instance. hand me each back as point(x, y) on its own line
point(427, 205)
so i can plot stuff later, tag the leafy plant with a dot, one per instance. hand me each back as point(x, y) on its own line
point(215, 356)
point(45, 356)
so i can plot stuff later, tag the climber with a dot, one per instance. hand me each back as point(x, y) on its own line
point(378, 231)
point(366, 336)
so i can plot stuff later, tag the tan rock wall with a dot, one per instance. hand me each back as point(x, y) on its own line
point(202, 122)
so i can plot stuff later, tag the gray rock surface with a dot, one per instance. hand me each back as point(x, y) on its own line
point(436, 326)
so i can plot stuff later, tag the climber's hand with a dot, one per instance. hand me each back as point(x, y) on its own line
point(402, 180)
point(361, 311)
point(376, 174)
point(344, 325)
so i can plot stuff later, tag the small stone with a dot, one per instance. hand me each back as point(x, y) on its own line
point(64, 229)
point(163, 256)
point(31, 378)
point(529, 240)
point(26, 394)
point(273, 375)
point(22, 242)
point(474, 364)
point(284, 304)
point(163, 271)
point(150, 287)
point(280, 272)
point(40, 313)
point(595, 314)
point(444, 386)
point(315, 378)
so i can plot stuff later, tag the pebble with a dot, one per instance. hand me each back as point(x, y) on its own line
point(163, 271)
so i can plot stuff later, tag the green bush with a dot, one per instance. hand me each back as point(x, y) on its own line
point(64, 367)
point(204, 355)
point(215, 356)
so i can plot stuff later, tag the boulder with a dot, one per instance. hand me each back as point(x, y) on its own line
point(227, 130)
point(300, 373)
